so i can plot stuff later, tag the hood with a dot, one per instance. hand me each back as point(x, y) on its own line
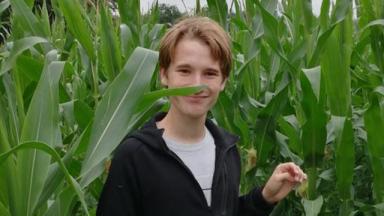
point(150, 135)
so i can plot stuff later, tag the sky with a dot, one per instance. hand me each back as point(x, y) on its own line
point(190, 4)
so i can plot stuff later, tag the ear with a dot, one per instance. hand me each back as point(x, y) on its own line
point(163, 77)
point(222, 86)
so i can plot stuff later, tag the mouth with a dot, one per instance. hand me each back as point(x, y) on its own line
point(196, 98)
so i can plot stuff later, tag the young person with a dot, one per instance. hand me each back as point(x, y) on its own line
point(180, 163)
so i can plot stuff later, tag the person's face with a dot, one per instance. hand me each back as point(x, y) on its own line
point(193, 64)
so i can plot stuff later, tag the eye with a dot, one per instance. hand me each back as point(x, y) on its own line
point(211, 73)
point(183, 71)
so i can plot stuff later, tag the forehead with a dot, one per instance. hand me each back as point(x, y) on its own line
point(194, 51)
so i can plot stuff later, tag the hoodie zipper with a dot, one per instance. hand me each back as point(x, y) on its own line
point(220, 162)
point(177, 158)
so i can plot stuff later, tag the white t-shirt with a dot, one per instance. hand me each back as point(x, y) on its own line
point(199, 158)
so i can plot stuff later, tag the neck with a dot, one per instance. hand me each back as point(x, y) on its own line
point(183, 128)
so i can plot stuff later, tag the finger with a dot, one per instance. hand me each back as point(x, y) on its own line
point(286, 176)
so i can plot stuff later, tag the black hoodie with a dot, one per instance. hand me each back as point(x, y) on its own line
point(148, 179)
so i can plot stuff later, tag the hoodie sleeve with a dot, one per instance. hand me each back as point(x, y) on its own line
point(254, 204)
point(120, 195)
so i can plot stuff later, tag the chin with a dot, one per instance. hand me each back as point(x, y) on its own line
point(196, 114)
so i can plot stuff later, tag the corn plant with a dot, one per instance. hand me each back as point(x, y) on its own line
point(76, 78)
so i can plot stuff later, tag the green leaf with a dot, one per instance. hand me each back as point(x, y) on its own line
point(3, 210)
point(314, 129)
point(19, 47)
point(110, 51)
point(151, 97)
point(29, 67)
point(41, 124)
point(28, 21)
point(314, 76)
point(265, 125)
point(335, 67)
point(312, 207)
point(47, 149)
point(115, 110)
point(63, 203)
point(129, 11)
point(345, 155)
point(75, 19)
point(374, 123)
point(4, 5)
point(83, 113)
point(218, 11)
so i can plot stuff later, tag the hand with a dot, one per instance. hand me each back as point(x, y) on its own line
point(284, 178)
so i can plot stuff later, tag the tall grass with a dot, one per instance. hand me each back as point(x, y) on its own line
point(303, 88)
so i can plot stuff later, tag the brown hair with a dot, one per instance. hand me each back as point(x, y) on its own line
point(201, 28)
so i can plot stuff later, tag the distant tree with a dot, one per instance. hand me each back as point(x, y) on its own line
point(168, 13)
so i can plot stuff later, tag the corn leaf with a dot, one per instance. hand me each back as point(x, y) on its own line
point(41, 124)
point(47, 149)
point(19, 47)
point(76, 24)
point(218, 11)
point(117, 106)
point(374, 123)
point(345, 155)
point(23, 13)
point(110, 51)
point(4, 6)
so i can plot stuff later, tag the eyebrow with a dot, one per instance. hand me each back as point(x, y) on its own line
point(189, 66)
point(184, 66)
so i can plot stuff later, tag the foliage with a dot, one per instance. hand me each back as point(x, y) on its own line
point(168, 13)
point(303, 88)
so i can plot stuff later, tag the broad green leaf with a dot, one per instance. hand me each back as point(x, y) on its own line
point(74, 17)
point(285, 151)
point(313, 131)
point(83, 113)
point(379, 22)
point(110, 52)
point(117, 106)
point(312, 207)
point(374, 123)
point(314, 134)
point(23, 13)
point(29, 67)
point(8, 184)
point(345, 155)
point(223, 112)
point(265, 125)
point(14, 112)
point(290, 129)
point(335, 67)
point(19, 47)
point(3, 210)
point(151, 97)
point(314, 76)
point(4, 5)
point(63, 203)
point(324, 14)
point(41, 124)
point(129, 11)
point(47, 149)
point(218, 11)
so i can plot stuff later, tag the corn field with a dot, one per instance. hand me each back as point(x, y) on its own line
point(75, 79)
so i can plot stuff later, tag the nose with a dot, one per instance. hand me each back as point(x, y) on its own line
point(197, 79)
